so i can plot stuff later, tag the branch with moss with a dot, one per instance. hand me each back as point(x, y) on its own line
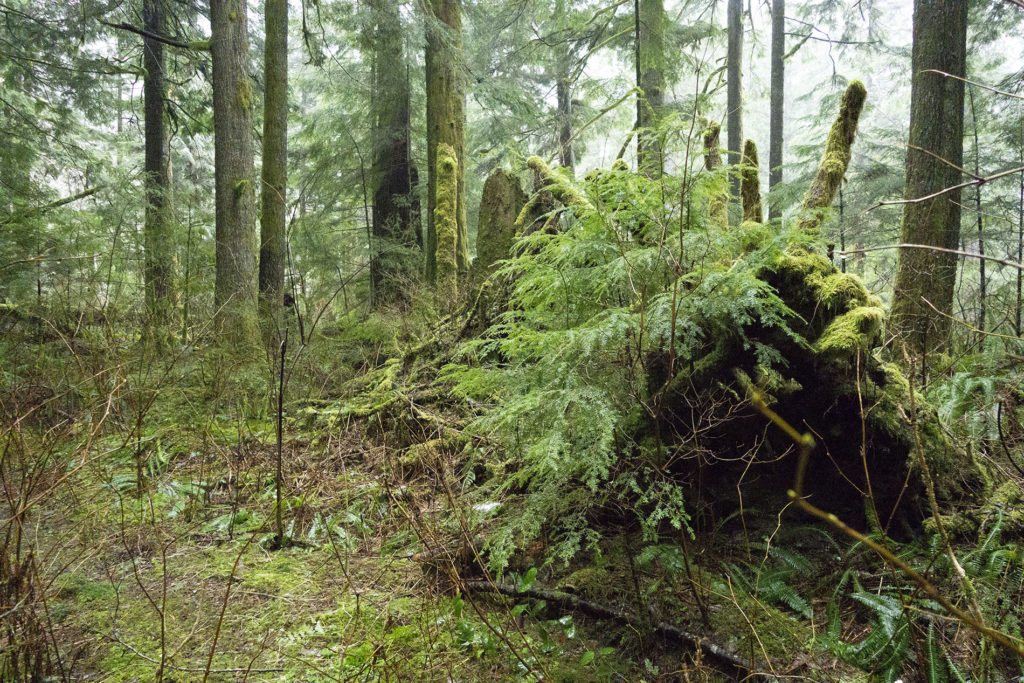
point(567, 600)
point(835, 161)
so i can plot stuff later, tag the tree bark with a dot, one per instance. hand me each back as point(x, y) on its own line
point(275, 162)
point(926, 279)
point(445, 122)
point(718, 203)
point(235, 289)
point(750, 184)
point(445, 221)
point(158, 231)
point(566, 157)
point(734, 104)
point(650, 54)
point(777, 106)
point(834, 162)
point(395, 253)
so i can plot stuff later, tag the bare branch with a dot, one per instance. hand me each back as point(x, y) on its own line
point(980, 85)
point(951, 188)
point(969, 254)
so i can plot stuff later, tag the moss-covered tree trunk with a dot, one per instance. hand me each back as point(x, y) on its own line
point(445, 121)
point(750, 184)
point(158, 232)
point(395, 252)
point(500, 204)
point(650, 105)
point(835, 160)
point(734, 87)
point(923, 294)
point(777, 101)
point(235, 288)
point(719, 202)
point(275, 162)
point(446, 264)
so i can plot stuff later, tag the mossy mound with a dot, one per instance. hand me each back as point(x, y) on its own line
point(833, 383)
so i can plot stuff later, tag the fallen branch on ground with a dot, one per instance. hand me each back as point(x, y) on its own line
point(716, 652)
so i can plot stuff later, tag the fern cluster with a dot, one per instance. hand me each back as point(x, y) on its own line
point(562, 377)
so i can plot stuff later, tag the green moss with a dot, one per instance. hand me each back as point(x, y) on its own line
point(804, 262)
point(741, 620)
point(959, 525)
point(562, 190)
point(859, 330)
point(244, 94)
point(241, 186)
point(839, 291)
point(835, 161)
point(750, 184)
point(446, 226)
point(594, 583)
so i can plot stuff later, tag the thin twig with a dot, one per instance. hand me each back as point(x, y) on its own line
point(980, 85)
point(951, 188)
point(224, 607)
point(931, 247)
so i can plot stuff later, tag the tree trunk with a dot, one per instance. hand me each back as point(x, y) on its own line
point(718, 203)
point(650, 55)
point(834, 162)
point(158, 232)
point(445, 122)
point(235, 290)
point(982, 282)
point(750, 184)
point(275, 162)
point(734, 105)
point(777, 106)
point(564, 92)
point(500, 204)
point(395, 254)
point(446, 223)
point(925, 279)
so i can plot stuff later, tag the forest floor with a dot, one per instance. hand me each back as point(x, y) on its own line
point(184, 577)
point(148, 543)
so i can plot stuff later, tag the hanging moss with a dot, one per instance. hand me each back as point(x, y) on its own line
point(835, 161)
point(446, 224)
point(750, 184)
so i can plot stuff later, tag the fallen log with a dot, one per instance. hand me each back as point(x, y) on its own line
point(734, 663)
